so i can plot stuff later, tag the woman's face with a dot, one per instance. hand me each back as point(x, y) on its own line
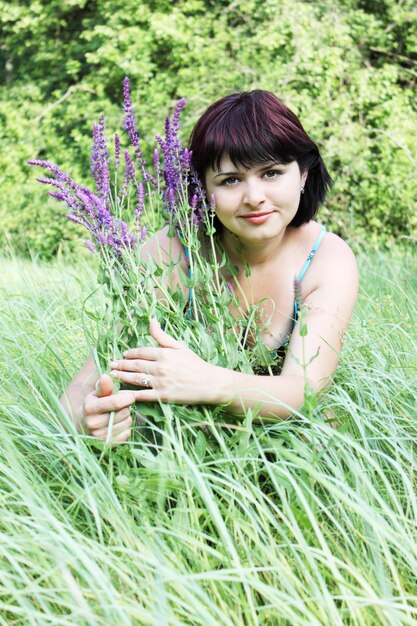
point(256, 203)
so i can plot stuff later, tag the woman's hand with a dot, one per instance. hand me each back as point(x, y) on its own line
point(98, 406)
point(171, 373)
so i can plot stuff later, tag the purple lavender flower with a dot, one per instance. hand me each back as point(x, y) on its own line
point(129, 167)
point(177, 171)
point(55, 171)
point(116, 150)
point(195, 209)
point(171, 200)
point(141, 202)
point(200, 203)
point(64, 194)
point(119, 237)
point(298, 293)
point(89, 245)
point(101, 239)
point(171, 161)
point(88, 210)
point(186, 158)
point(104, 217)
point(175, 125)
point(129, 175)
point(172, 149)
point(93, 210)
point(56, 195)
point(73, 218)
point(130, 124)
point(99, 161)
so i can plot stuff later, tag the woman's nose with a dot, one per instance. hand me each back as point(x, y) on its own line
point(254, 193)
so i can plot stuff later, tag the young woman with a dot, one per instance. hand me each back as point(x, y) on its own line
point(268, 179)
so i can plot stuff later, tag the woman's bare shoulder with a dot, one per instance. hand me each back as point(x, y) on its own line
point(164, 247)
point(334, 267)
point(336, 249)
point(335, 270)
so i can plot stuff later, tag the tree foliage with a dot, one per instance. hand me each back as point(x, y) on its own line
point(348, 69)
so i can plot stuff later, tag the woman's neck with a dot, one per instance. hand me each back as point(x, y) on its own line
point(252, 253)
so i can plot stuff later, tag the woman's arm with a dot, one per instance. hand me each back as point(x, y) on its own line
point(177, 375)
point(74, 395)
point(89, 408)
point(89, 400)
point(312, 358)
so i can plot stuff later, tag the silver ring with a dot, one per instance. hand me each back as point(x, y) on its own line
point(145, 381)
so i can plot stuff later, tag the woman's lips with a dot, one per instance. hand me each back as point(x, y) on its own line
point(257, 218)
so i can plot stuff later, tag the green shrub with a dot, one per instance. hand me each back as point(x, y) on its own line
point(347, 68)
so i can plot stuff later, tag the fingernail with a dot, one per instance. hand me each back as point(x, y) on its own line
point(114, 374)
point(113, 364)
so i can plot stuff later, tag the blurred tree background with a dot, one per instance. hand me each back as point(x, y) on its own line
point(348, 68)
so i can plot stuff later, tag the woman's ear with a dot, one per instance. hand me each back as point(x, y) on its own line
point(304, 176)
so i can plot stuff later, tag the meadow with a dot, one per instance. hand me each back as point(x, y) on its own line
point(291, 523)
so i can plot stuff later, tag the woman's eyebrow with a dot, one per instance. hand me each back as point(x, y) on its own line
point(262, 168)
point(269, 164)
point(226, 174)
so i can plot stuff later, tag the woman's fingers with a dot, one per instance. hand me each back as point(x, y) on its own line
point(98, 407)
point(150, 395)
point(94, 422)
point(116, 438)
point(94, 405)
point(139, 380)
point(122, 437)
point(117, 428)
point(133, 365)
point(164, 340)
point(97, 411)
point(104, 386)
point(147, 353)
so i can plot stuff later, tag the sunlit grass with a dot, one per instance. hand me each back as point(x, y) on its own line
point(295, 523)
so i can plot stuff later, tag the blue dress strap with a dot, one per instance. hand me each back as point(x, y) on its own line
point(189, 312)
point(307, 265)
point(312, 253)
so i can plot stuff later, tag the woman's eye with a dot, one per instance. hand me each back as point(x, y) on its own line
point(273, 173)
point(229, 181)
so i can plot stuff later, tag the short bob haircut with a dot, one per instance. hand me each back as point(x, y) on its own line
point(254, 127)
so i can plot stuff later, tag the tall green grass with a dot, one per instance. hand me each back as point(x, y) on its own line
point(293, 523)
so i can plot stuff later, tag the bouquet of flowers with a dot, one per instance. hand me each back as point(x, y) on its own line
point(137, 287)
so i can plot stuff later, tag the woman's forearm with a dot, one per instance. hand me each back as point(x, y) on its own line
point(274, 397)
point(72, 400)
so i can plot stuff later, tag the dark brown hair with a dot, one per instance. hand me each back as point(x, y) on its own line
point(256, 127)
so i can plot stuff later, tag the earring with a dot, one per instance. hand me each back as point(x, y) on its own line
point(302, 189)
